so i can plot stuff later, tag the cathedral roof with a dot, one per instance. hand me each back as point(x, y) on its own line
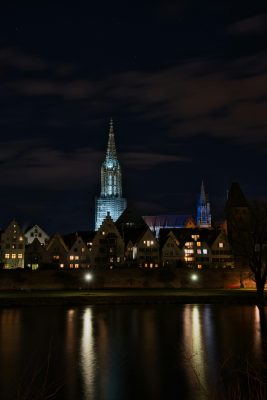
point(165, 221)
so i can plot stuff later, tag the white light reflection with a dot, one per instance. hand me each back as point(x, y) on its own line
point(88, 354)
point(257, 331)
point(193, 337)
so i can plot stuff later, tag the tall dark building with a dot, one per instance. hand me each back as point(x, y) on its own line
point(236, 210)
point(110, 201)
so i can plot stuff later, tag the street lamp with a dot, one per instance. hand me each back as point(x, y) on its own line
point(88, 277)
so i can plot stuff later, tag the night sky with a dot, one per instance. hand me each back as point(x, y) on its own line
point(185, 83)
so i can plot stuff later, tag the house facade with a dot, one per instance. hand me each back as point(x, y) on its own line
point(12, 246)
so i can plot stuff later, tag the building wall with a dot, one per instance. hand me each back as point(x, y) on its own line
point(13, 246)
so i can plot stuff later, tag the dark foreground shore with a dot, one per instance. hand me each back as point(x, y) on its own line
point(130, 296)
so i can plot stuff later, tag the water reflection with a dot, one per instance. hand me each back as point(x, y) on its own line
point(10, 347)
point(194, 348)
point(87, 353)
point(128, 352)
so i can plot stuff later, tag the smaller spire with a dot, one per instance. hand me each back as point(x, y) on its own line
point(202, 199)
point(203, 209)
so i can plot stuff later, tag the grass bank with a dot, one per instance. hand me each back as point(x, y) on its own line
point(128, 296)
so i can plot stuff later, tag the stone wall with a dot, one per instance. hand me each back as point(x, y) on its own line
point(122, 278)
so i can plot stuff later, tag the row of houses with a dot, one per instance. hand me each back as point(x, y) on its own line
point(125, 243)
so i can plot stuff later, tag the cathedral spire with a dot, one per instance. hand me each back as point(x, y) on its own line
point(203, 209)
point(111, 149)
point(202, 199)
point(110, 200)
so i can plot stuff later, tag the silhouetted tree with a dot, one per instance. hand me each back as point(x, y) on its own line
point(248, 237)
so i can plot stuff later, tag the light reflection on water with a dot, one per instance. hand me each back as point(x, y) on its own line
point(128, 352)
point(87, 353)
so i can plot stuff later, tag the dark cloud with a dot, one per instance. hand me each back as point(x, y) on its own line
point(149, 160)
point(249, 26)
point(192, 98)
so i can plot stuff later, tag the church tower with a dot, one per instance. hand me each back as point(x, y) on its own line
point(203, 210)
point(110, 200)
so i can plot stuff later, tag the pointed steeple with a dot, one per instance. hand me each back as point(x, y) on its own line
point(110, 199)
point(203, 209)
point(111, 149)
point(202, 199)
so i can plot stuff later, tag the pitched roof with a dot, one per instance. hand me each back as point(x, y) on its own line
point(70, 238)
point(236, 197)
point(184, 235)
point(130, 219)
point(133, 234)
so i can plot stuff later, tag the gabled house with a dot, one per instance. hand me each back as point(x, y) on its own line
point(79, 254)
point(12, 246)
point(35, 255)
point(171, 253)
point(221, 252)
point(143, 248)
point(56, 251)
point(107, 246)
point(194, 244)
point(35, 232)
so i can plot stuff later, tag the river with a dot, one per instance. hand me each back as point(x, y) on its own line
point(122, 352)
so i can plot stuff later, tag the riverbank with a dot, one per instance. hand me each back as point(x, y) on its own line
point(129, 296)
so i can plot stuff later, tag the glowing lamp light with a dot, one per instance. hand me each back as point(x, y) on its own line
point(194, 277)
point(88, 277)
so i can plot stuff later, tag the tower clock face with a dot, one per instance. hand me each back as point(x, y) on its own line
point(109, 164)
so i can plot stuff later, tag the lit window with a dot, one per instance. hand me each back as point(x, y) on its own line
point(76, 257)
point(118, 259)
point(71, 257)
point(221, 245)
point(152, 241)
point(76, 265)
point(205, 251)
point(198, 251)
point(103, 233)
point(189, 251)
point(13, 256)
point(151, 265)
point(189, 244)
point(198, 244)
point(189, 258)
point(83, 249)
point(7, 255)
point(19, 255)
point(61, 265)
point(199, 266)
point(144, 242)
point(195, 237)
point(71, 265)
point(20, 238)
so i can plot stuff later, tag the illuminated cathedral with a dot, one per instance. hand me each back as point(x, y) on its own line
point(110, 201)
